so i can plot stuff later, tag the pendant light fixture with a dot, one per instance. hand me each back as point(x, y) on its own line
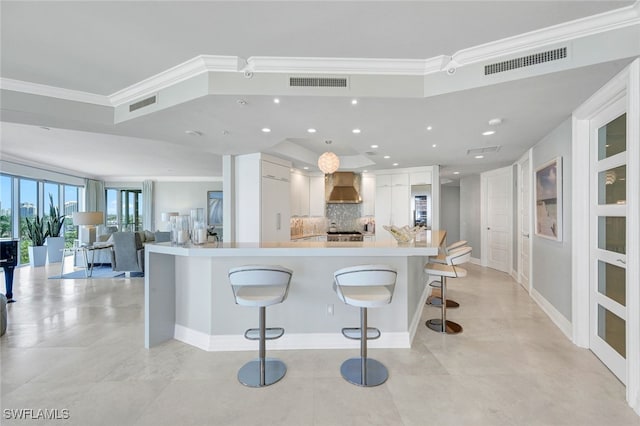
point(328, 162)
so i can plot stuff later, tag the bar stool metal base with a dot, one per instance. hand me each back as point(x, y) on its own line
point(451, 327)
point(376, 372)
point(437, 301)
point(249, 374)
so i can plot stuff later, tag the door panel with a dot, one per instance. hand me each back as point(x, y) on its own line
point(498, 218)
point(608, 282)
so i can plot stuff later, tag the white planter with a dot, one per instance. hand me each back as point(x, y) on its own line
point(54, 249)
point(37, 255)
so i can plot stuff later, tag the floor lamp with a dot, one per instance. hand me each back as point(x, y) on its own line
point(87, 222)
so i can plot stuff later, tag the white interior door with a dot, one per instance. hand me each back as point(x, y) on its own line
point(608, 238)
point(524, 238)
point(497, 216)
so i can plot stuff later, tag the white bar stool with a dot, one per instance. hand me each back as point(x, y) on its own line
point(450, 270)
point(261, 286)
point(442, 259)
point(364, 286)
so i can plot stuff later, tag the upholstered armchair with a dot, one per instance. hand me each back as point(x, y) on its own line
point(128, 252)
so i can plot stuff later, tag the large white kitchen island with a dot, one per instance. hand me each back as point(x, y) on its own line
point(188, 296)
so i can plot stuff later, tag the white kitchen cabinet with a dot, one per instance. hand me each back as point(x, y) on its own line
point(420, 178)
point(368, 194)
point(275, 210)
point(393, 203)
point(299, 194)
point(316, 196)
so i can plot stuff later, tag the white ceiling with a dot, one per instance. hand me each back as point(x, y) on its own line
point(104, 47)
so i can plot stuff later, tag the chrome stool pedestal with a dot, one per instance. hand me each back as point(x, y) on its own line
point(261, 286)
point(364, 286)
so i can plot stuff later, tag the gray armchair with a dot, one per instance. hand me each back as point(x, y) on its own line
point(128, 252)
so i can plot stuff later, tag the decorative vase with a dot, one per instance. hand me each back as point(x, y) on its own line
point(54, 249)
point(37, 255)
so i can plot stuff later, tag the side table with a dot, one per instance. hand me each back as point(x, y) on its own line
point(88, 267)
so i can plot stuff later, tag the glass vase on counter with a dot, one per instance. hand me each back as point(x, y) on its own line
point(180, 230)
point(198, 226)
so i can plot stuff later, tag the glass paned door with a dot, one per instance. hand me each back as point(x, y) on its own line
point(608, 285)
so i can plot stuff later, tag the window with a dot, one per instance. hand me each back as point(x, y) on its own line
point(6, 197)
point(28, 202)
point(70, 205)
point(124, 208)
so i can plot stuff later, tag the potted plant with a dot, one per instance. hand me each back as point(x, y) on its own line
point(36, 233)
point(54, 243)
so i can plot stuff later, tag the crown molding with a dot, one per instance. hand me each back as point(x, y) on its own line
point(590, 25)
point(373, 66)
point(53, 92)
point(184, 71)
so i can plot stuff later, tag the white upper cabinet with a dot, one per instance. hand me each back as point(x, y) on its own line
point(275, 171)
point(393, 203)
point(368, 194)
point(299, 194)
point(316, 196)
point(420, 178)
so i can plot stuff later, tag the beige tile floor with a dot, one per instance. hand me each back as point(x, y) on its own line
point(78, 345)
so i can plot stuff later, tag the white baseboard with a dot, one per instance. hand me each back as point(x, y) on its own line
point(475, 261)
point(515, 275)
point(558, 319)
point(224, 343)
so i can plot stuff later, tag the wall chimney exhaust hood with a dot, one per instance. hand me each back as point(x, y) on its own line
point(342, 188)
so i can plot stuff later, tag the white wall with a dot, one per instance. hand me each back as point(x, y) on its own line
point(470, 213)
point(181, 197)
point(450, 219)
point(551, 260)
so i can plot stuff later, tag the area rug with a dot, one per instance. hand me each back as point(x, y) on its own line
point(98, 272)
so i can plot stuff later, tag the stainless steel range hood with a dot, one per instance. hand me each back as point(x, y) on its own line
point(342, 188)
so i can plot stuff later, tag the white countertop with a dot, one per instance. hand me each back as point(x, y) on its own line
point(427, 247)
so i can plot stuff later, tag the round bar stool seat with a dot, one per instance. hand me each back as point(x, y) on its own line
point(261, 286)
point(450, 270)
point(364, 286)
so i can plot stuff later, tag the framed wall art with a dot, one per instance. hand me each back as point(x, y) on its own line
point(548, 196)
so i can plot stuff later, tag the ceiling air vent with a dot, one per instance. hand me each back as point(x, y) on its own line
point(476, 151)
point(526, 61)
point(143, 103)
point(318, 82)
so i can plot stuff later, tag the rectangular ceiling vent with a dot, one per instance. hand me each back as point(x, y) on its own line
point(526, 61)
point(143, 103)
point(318, 82)
point(486, 149)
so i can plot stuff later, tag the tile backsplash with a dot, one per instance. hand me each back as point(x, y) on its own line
point(345, 216)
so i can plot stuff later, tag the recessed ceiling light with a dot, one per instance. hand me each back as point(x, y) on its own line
point(395, 164)
point(241, 102)
point(479, 156)
point(276, 100)
point(311, 130)
point(429, 127)
point(365, 171)
point(356, 131)
point(456, 173)
point(495, 121)
point(47, 128)
point(387, 157)
point(488, 132)
point(306, 167)
point(225, 132)
point(374, 146)
point(434, 145)
point(193, 132)
point(354, 102)
point(266, 129)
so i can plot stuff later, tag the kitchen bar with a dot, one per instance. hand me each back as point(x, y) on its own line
point(188, 296)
